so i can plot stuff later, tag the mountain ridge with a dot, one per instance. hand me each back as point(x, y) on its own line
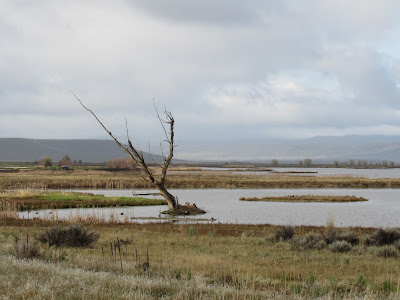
point(86, 150)
point(328, 149)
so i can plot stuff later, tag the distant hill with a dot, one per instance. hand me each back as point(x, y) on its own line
point(352, 139)
point(319, 148)
point(30, 150)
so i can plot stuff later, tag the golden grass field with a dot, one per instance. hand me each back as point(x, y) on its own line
point(199, 261)
point(180, 178)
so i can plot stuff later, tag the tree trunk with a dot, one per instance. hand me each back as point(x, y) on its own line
point(171, 200)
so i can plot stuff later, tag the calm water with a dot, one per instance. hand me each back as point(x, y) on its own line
point(368, 173)
point(382, 209)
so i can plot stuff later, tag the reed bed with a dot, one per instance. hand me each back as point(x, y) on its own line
point(80, 179)
point(8, 210)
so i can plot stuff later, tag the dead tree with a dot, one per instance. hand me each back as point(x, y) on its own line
point(137, 155)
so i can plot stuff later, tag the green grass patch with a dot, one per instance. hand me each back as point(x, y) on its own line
point(27, 200)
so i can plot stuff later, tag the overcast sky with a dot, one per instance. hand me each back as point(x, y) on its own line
point(227, 70)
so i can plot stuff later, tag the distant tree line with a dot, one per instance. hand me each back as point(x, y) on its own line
point(123, 163)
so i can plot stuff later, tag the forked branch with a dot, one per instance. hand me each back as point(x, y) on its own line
point(138, 157)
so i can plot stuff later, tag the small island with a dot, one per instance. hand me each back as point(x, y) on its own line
point(28, 200)
point(306, 198)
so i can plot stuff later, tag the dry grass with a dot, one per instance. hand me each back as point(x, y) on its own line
point(196, 262)
point(306, 198)
point(92, 179)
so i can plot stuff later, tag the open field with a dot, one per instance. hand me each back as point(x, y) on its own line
point(92, 179)
point(221, 261)
point(27, 200)
point(307, 198)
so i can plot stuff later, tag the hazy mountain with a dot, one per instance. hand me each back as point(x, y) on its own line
point(29, 150)
point(327, 149)
point(352, 139)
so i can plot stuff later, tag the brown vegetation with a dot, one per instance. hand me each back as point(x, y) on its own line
point(92, 179)
point(306, 198)
point(201, 261)
point(122, 163)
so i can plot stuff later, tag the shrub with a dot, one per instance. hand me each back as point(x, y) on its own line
point(46, 162)
point(340, 246)
point(388, 251)
point(348, 236)
point(71, 236)
point(331, 236)
point(383, 237)
point(311, 241)
point(284, 233)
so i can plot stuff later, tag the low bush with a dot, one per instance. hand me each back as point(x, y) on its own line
point(284, 233)
point(330, 236)
point(311, 241)
point(388, 251)
point(71, 236)
point(348, 236)
point(383, 237)
point(340, 246)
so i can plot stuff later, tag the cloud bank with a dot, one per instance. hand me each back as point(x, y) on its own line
point(228, 70)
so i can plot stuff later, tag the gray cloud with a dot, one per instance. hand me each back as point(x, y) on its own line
point(226, 69)
point(225, 12)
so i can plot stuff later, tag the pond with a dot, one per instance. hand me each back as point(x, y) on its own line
point(368, 173)
point(223, 205)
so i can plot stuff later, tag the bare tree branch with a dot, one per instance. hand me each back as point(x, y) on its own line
point(137, 155)
point(161, 121)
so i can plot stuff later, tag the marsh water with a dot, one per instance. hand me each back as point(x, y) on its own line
point(368, 173)
point(223, 205)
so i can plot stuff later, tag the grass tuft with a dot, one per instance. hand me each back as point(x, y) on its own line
point(387, 252)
